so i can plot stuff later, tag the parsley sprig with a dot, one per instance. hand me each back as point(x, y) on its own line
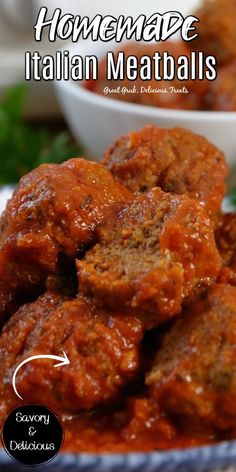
point(233, 197)
point(23, 147)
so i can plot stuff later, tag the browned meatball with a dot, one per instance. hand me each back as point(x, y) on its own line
point(176, 160)
point(152, 254)
point(147, 429)
point(159, 93)
point(194, 375)
point(52, 215)
point(103, 350)
point(222, 92)
point(216, 29)
point(226, 243)
point(7, 303)
point(13, 342)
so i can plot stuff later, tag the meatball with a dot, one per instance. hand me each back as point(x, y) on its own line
point(222, 92)
point(51, 218)
point(103, 350)
point(176, 160)
point(145, 428)
point(193, 379)
point(6, 300)
point(13, 342)
point(216, 29)
point(152, 254)
point(159, 93)
point(226, 243)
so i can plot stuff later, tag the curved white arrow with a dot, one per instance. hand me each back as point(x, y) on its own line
point(63, 361)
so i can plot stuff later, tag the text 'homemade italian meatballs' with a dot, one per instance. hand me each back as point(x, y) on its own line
point(194, 376)
point(153, 253)
point(226, 243)
point(103, 351)
point(176, 160)
point(53, 213)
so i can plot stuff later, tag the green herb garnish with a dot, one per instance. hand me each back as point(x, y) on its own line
point(233, 197)
point(23, 147)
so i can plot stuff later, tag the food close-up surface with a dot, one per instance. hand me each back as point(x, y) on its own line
point(118, 237)
point(128, 267)
point(50, 219)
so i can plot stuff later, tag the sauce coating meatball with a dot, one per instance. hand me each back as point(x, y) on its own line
point(176, 160)
point(52, 215)
point(193, 379)
point(7, 304)
point(152, 254)
point(226, 243)
point(13, 341)
point(103, 350)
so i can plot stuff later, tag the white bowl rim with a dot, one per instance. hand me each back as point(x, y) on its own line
point(77, 89)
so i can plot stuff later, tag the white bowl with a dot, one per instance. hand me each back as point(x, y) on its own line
point(96, 121)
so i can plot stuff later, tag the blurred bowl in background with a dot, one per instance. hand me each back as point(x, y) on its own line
point(96, 121)
point(18, 12)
